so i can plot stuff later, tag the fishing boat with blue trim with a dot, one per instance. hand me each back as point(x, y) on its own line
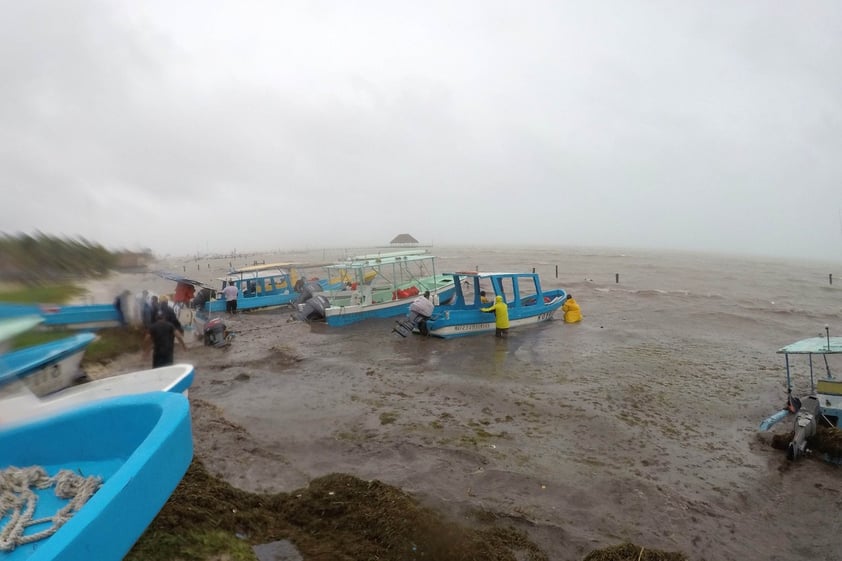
point(47, 367)
point(528, 303)
point(382, 285)
point(18, 403)
point(267, 285)
point(86, 482)
point(813, 421)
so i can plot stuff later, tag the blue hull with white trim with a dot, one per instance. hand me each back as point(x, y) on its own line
point(139, 445)
point(527, 303)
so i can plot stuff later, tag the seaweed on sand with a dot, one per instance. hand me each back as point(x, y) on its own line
point(632, 552)
point(337, 517)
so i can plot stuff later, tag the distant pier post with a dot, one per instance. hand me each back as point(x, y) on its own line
point(830, 278)
point(617, 278)
point(556, 271)
point(533, 270)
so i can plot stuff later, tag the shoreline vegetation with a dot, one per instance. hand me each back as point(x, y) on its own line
point(337, 517)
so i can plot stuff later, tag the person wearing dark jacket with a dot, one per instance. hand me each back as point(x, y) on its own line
point(169, 314)
point(160, 339)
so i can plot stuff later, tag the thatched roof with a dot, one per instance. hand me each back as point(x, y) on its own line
point(403, 239)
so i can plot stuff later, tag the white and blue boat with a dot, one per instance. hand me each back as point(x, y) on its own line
point(528, 304)
point(47, 367)
point(116, 461)
point(383, 285)
point(268, 285)
point(18, 404)
point(820, 404)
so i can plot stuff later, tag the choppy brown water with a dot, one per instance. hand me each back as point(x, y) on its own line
point(638, 424)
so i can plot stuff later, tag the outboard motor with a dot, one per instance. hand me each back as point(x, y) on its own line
point(215, 333)
point(804, 427)
point(420, 311)
point(313, 308)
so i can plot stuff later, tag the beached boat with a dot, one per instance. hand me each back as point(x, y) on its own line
point(383, 285)
point(82, 316)
point(528, 304)
point(820, 404)
point(11, 327)
point(266, 286)
point(47, 367)
point(94, 476)
point(19, 404)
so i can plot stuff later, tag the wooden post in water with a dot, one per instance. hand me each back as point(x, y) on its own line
point(830, 278)
point(533, 270)
point(556, 271)
point(617, 278)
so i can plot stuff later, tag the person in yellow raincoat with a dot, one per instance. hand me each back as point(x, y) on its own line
point(572, 311)
point(501, 313)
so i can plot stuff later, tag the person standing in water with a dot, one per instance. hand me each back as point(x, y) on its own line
point(501, 314)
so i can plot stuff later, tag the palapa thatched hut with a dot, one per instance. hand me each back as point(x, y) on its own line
point(404, 240)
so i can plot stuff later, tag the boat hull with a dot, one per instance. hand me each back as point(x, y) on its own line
point(273, 300)
point(140, 445)
point(338, 315)
point(23, 406)
point(47, 367)
point(462, 323)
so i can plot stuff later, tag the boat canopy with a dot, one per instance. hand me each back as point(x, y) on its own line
point(814, 345)
point(181, 279)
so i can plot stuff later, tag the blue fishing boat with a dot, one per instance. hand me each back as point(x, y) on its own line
point(528, 304)
point(820, 403)
point(76, 316)
point(383, 285)
point(95, 476)
point(268, 285)
point(12, 326)
point(47, 367)
point(19, 404)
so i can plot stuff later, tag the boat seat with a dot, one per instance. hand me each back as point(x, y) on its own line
point(829, 387)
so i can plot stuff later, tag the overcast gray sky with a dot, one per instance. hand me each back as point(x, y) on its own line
point(212, 125)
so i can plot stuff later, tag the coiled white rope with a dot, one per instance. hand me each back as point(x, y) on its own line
point(18, 501)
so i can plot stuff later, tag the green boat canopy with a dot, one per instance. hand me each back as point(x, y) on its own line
point(814, 345)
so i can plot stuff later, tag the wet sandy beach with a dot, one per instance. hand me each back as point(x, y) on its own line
point(638, 424)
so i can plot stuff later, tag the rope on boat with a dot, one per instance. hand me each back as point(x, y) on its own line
point(18, 501)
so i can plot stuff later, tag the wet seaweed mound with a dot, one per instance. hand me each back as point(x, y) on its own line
point(337, 517)
point(632, 552)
